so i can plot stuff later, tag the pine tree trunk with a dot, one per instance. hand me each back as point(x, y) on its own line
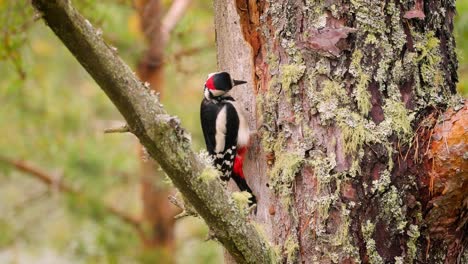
point(158, 212)
point(344, 96)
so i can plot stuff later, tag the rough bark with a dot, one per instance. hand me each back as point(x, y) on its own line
point(160, 133)
point(446, 204)
point(339, 92)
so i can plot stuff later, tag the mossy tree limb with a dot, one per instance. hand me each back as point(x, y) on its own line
point(160, 133)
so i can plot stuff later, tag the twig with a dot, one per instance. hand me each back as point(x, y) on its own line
point(48, 179)
point(30, 200)
point(122, 129)
point(175, 202)
point(182, 215)
point(38, 174)
point(172, 17)
point(186, 210)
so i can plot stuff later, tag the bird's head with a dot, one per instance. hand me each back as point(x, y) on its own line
point(219, 84)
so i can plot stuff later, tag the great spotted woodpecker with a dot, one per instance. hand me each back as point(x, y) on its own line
point(225, 129)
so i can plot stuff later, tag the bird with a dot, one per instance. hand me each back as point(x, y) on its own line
point(225, 129)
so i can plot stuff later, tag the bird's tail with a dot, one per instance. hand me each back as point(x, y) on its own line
point(238, 175)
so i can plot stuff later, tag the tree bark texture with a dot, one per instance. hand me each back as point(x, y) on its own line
point(159, 132)
point(344, 96)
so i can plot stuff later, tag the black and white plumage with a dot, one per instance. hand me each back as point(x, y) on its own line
point(220, 127)
point(225, 128)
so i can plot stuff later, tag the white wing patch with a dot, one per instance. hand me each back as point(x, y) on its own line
point(220, 131)
point(224, 163)
point(243, 134)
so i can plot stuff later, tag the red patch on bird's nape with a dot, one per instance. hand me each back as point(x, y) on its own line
point(210, 83)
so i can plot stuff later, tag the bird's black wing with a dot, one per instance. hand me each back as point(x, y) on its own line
point(208, 113)
point(224, 160)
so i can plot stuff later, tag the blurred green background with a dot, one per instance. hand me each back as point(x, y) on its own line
point(52, 114)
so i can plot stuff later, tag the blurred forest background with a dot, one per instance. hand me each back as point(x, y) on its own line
point(52, 116)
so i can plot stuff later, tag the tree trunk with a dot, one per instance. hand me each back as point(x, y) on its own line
point(158, 212)
point(344, 96)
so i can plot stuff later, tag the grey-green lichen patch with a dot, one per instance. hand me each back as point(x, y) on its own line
point(329, 99)
point(291, 74)
point(369, 15)
point(428, 48)
point(399, 260)
point(323, 66)
point(391, 42)
point(411, 245)
point(241, 199)
point(321, 207)
point(275, 250)
point(205, 158)
point(291, 249)
point(295, 53)
point(382, 184)
point(322, 166)
point(368, 230)
point(209, 174)
point(456, 101)
point(361, 93)
point(341, 236)
point(283, 174)
point(268, 141)
point(356, 131)
point(371, 21)
point(399, 118)
point(393, 210)
point(267, 105)
point(273, 61)
point(390, 151)
point(430, 86)
point(342, 239)
point(380, 36)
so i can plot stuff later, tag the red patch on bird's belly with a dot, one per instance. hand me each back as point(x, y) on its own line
point(210, 83)
point(239, 162)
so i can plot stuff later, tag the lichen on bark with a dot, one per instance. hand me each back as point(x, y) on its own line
point(347, 117)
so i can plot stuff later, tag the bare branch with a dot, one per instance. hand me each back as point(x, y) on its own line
point(187, 209)
point(39, 174)
point(172, 17)
point(176, 202)
point(164, 139)
point(182, 215)
point(122, 129)
point(50, 180)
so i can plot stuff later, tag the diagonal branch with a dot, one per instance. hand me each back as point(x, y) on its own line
point(50, 180)
point(160, 133)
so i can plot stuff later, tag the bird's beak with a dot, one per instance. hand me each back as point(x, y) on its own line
point(237, 82)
